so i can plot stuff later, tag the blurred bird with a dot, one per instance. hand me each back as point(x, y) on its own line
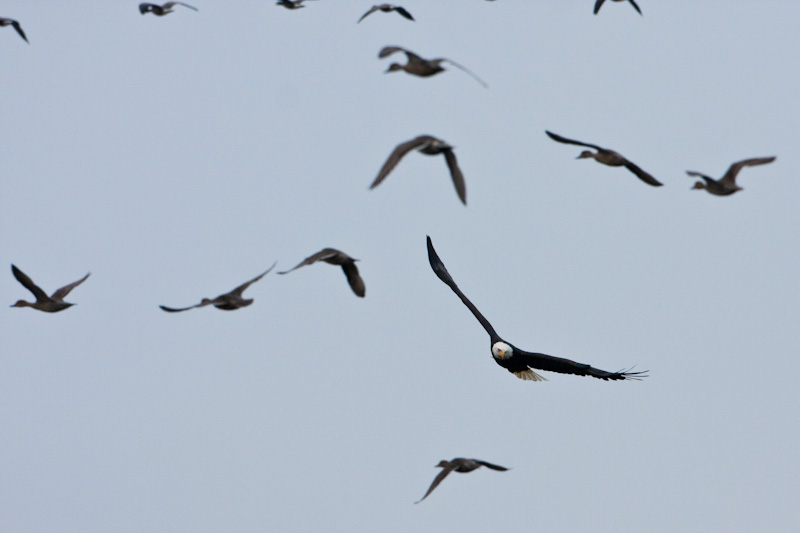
point(162, 10)
point(422, 67)
point(15, 24)
point(290, 4)
point(387, 8)
point(335, 257)
point(48, 304)
point(519, 362)
point(726, 185)
point(230, 301)
point(608, 157)
point(428, 145)
point(461, 465)
point(599, 4)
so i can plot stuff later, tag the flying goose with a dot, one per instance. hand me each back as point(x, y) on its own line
point(461, 465)
point(422, 67)
point(726, 185)
point(519, 362)
point(48, 304)
point(387, 8)
point(428, 145)
point(230, 301)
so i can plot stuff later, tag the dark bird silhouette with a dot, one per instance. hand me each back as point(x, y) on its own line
point(48, 304)
point(290, 4)
point(161, 10)
point(726, 185)
point(608, 157)
point(387, 8)
point(430, 146)
point(229, 301)
point(599, 4)
point(335, 257)
point(422, 67)
point(461, 465)
point(15, 24)
point(517, 361)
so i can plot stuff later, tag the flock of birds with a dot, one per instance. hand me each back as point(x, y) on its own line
point(517, 361)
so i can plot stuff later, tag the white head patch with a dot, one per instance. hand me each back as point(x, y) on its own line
point(501, 350)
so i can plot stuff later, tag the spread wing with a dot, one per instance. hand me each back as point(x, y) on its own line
point(372, 10)
point(438, 479)
point(698, 175)
point(17, 27)
point(564, 140)
point(442, 273)
point(403, 12)
point(354, 279)
point(598, 5)
point(641, 174)
point(241, 288)
point(635, 6)
point(541, 361)
point(176, 310)
point(399, 153)
point(169, 5)
point(389, 50)
point(63, 291)
point(28, 283)
point(455, 173)
point(733, 171)
point(319, 256)
point(465, 69)
point(490, 465)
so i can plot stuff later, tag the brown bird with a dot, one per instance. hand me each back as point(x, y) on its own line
point(599, 4)
point(428, 145)
point(230, 301)
point(15, 24)
point(726, 185)
point(608, 157)
point(461, 465)
point(48, 304)
point(387, 8)
point(290, 4)
point(422, 67)
point(162, 10)
point(335, 257)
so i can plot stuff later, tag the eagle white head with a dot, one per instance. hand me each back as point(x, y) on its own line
point(501, 350)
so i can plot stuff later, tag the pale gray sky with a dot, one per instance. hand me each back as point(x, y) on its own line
point(177, 157)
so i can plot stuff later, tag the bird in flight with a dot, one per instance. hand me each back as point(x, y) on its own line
point(608, 157)
point(599, 4)
point(229, 301)
point(461, 465)
point(290, 4)
point(726, 185)
point(422, 67)
point(15, 25)
point(519, 362)
point(387, 8)
point(48, 304)
point(428, 145)
point(335, 257)
point(161, 10)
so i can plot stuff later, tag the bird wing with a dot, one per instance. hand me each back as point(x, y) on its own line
point(561, 365)
point(403, 12)
point(354, 279)
point(399, 153)
point(733, 171)
point(176, 310)
point(438, 479)
point(322, 254)
point(28, 283)
point(63, 291)
point(564, 140)
point(455, 173)
point(641, 174)
point(635, 6)
point(440, 270)
point(389, 50)
point(372, 10)
point(145, 8)
point(490, 465)
point(19, 30)
point(465, 69)
point(169, 5)
point(698, 175)
point(241, 288)
point(598, 5)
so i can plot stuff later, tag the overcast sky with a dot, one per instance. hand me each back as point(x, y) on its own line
point(175, 158)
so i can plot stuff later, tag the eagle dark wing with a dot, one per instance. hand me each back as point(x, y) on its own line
point(541, 361)
point(635, 6)
point(598, 5)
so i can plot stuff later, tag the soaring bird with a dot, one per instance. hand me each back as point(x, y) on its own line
point(599, 4)
point(387, 8)
point(335, 257)
point(48, 304)
point(290, 4)
point(428, 145)
point(608, 157)
point(229, 301)
point(422, 67)
point(15, 24)
point(519, 362)
point(726, 185)
point(461, 465)
point(162, 10)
